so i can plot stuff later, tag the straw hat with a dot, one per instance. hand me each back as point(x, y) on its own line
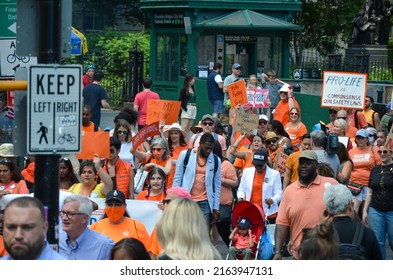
point(175, 127)
point(7, 150)
point(197, 128)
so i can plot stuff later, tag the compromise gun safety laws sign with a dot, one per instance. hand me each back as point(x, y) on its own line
point(54, 96)
point(344, 90)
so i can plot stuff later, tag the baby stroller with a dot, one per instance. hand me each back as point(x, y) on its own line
point(253, 212)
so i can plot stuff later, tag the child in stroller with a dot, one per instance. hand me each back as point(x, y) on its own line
point(243, 240)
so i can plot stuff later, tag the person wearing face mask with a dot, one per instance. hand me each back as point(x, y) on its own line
point(116, 222)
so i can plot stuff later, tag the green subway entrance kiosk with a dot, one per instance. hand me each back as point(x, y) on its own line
point(190, 36)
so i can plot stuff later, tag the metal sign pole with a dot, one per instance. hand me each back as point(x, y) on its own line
point(46, 175)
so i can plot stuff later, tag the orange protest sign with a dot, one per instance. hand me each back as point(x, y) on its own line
point(237, 93)
point(279, 163)
point(94, 143)
point(165, 110)
point(148, 130)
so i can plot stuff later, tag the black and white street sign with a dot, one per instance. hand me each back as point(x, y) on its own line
point(54, 112)
point(297, 74)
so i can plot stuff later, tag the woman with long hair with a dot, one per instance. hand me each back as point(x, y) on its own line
point(156, 188)
point(11, 180)
point(88, 172)
point(378, 206)
point(176, 139)
point(124, 134)
point(188, 103)
point(67, 174)
point(129, 249)
point(183, 234)
point(295, 128)
point(340, 127)
point(346, 164)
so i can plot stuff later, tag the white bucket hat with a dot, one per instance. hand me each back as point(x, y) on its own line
point(175, 127)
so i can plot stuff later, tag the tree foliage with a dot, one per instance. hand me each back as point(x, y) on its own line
point(326, 24)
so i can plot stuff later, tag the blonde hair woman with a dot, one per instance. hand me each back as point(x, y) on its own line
point(182, 233)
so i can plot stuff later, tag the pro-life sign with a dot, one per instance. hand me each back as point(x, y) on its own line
point(54, 96)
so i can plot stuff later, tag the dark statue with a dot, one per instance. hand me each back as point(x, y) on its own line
point(371, 24)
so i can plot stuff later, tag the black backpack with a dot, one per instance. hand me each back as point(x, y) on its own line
point(354, 250)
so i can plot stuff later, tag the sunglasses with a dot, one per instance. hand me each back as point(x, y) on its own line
point(294, 114)
point(238, 68)
point(343, 118)
point(333, 112)
point(112, 151)
point(283, 92)
point(122, 132)
point(263, 122)
point(208, 124)
point(271, 141)
point(157, 149)
point(384, 152)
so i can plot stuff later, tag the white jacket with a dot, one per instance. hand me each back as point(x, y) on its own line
point(272, 188)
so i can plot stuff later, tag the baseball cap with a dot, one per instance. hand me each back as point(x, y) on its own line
point(334, 110)
point(116, 195)
point(309, 154)
point(389, 106)
point(362, 133)
point(244, 223)
point(207, 116)
point(263, 117)
point(260, 157)
point(236, 65)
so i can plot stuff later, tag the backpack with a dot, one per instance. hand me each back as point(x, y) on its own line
point(187, 157)
point(354, 250)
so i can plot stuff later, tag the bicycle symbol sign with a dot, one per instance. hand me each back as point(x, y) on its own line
point(11, 58)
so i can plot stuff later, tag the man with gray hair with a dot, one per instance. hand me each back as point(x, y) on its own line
point(77, 241)
point(318, 145)
point(338, 201)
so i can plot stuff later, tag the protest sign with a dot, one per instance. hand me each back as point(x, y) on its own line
point(148, 130)
point(258, 98)
point(279, 163)
point(237, 93)
point(94, 143)
point(344, 90)
point(246, 122)
point(162, 110)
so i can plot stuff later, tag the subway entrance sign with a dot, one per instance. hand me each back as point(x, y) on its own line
point(54, 111)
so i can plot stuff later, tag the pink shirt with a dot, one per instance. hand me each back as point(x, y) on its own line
point(243, 241)
point(141, 101)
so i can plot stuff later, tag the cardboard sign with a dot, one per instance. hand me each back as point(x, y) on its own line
point(389, 142)
point(279, 163)
point(148, 130)
point(246, 122)
point(344, 90)
point(94, 143)
point(258, 98)
point(237, 93)
point(165, 110)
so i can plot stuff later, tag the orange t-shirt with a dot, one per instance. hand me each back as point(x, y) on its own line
point(198, 190)
point(142, 196)
point(295, 135)
point(243, 241)
point(227, 172)
point(15, 188)
point(154, 245)
point(241, 163)
point(89, 128)
point(292, 164)
point(363, 162)
point(3, 252)
point(257, 185)
point(126, 229)
point(273, 155)
point(281, 113)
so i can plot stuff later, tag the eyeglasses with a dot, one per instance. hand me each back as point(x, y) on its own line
point(283, 92)
point(112, 151)
point(263, 122)
point(4, 160)
point(122, 132)
point(333, 112)
point(294, 114)
point(70, 215)
point(272, 141)
point(384, 152)
point(238, 68)
point(343, 118)
point(156, 149)
point(208, 124)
